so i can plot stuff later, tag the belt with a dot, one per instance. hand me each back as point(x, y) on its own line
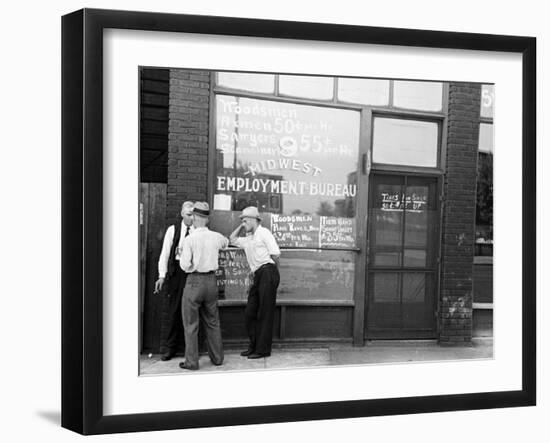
point(202, 273)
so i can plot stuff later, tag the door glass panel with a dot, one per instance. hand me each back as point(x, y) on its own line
point(414, 258)
point(386, 287)
point(414, 288)
point(387, 224)
point(416, 226)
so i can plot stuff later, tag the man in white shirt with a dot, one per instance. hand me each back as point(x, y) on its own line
point(199, 259)
point(172, 278)
point(262, 254)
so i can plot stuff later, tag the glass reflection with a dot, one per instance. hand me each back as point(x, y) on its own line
point(405, 142)
point(387, 225)
point(424, 96)
point(285, 158)
point(321, 88)
point(247, 82)
point(364, 91)
point(486, 138)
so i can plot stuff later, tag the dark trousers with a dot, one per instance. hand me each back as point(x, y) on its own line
point(174, 290)
point(260, 308)
point(200, 306)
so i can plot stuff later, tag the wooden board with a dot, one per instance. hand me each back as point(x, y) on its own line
point(153, 198)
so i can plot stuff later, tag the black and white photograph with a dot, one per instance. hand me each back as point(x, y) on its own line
point(295, 221)
point(275, 221)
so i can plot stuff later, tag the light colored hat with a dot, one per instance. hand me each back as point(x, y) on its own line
point(202, 209)
point(251, 212)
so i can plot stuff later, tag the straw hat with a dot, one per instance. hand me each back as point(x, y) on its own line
point(202, 209)
point(251, 212)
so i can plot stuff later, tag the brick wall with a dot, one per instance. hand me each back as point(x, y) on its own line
point(187, 138)
point(188, 117)
point(459, 214)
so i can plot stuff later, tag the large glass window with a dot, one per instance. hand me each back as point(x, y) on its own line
point(247, 82)
point(320, 88)
point(425, 96)
point(364, 91)
point(405, 142)
point(286, 158)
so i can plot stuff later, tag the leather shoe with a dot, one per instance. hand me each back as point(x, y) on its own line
point(167, 356)
point(259, 355)
point(185, 365)
point(247, 352)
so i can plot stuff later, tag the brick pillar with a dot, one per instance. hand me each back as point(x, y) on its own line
point(459, 214)
point(187, 138)
point(188, 123)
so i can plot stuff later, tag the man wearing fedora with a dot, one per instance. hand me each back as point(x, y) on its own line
point(262, 254)
point(199, 259)
point(171, 277)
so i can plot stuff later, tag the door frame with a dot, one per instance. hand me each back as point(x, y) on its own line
point(436, 269)
point(366, 167)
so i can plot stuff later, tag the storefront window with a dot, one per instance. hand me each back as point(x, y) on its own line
point(424, 96)
point(487, 101)
point(484, 203)
point(286, 159)
point(320, 88)
point(486, 141)
point(247, 82)
point(364, 91)
point(298, 165)
point(405, 142)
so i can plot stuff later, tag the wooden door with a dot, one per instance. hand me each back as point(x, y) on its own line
point(152, 215)
point(403, 253)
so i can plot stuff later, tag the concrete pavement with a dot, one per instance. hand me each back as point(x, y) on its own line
point(375, 352)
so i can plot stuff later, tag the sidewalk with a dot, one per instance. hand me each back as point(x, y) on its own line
point(377, 352)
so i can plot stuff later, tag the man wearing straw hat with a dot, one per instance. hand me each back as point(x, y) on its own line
point(262, 254)
point(199, 259)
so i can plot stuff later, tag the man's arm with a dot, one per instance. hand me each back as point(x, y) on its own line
point(234, 236)
point(186, 256)
point(164, 257)
point(224, 242)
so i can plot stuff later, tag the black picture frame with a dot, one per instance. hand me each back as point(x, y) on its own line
point(82, 231)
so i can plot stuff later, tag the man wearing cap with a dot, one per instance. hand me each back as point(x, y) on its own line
point(172, 278)
point(199, 258)
point(262, 254)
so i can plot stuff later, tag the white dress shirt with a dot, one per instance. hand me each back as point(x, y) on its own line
point(167, 245)
point(258, 247)
point(200, 250)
